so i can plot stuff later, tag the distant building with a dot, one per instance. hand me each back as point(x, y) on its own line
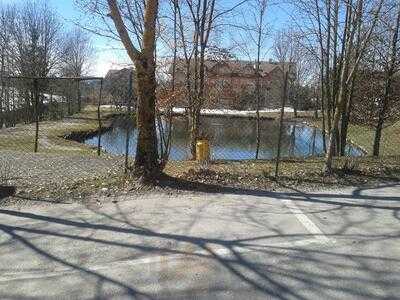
point(231, 84)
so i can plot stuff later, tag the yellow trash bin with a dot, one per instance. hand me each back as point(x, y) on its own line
point(202, 151)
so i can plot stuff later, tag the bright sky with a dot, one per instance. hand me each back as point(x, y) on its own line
point(106, 54)
point(111, 55)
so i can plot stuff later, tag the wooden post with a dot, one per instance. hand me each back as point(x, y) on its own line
point(99, 119)
point(36, 96)
point(78, 83)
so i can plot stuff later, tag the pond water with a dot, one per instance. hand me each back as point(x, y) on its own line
point(231, 138)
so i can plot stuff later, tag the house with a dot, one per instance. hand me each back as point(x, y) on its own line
point(232, 84)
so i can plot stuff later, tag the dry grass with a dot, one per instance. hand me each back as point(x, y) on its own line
point(303, 173)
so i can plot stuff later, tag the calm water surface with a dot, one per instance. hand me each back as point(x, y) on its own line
point(231, 139)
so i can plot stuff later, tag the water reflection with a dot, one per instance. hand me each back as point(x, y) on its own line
point(231, 138)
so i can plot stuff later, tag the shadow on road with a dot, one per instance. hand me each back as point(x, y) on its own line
point(294, 194)
point(301, 271)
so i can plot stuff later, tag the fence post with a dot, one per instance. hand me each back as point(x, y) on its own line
point(36, 95)
point(278, 155)
point(130, 96)
point(79, 95)
point(99, 119)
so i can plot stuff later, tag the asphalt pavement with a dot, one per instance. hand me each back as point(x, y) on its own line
point(338, 244)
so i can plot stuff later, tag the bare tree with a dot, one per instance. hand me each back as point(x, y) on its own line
point(76, 54)
point(146, 160)
point(260, 7)
point(7, 15)
point(201, 14)
point(357, 35)
point(285, 50)
point(197, 21)
point(36, 47)
point(166, 94)
point(36, 32)
point(391, 63)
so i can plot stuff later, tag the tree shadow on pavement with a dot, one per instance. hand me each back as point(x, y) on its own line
point(291, 194)
point(279, 271)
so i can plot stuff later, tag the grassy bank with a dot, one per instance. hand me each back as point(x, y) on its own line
point(297, 172)
point(51, 133)
point(363, 136)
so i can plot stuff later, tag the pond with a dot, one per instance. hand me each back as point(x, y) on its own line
point(231, 138)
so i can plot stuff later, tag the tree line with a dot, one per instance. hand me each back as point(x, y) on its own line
point(342, 44)
point(355, 44)
point(35, 43)
point(346, 54)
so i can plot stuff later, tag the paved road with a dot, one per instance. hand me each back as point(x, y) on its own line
point(322, 245)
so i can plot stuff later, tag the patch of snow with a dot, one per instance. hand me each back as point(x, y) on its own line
point(221, 112)
point(233, 112)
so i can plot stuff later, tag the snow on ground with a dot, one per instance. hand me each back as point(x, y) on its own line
point(232, 112)
point(222, 112)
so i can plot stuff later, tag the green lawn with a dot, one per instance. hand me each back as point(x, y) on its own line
point(22, 137)
point(363, 136)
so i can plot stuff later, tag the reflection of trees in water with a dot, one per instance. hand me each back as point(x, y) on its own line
point(115, 140)
point(305, 141)
point(231, 138)
point(236, 133)
point(292, 144)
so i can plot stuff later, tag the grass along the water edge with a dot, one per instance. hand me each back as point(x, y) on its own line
point(363, 136)
point(51, 134)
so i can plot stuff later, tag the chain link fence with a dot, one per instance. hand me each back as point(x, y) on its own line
point(59, 132)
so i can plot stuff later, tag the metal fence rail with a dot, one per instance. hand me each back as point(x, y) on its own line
point(57, 131)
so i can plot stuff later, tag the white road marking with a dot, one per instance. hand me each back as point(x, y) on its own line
point(306, 221)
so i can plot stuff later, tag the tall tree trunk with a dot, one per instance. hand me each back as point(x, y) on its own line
point(258, 88)
point(284, 98)
point(323, 123)
point(348, 68)
point(146, 160)
point(388, 84)
point(262, 10)
point(382, 114)
point(378, 130)
point(2, 95)
point(346, 118)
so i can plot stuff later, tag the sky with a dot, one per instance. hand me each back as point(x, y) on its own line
point(110, 54)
